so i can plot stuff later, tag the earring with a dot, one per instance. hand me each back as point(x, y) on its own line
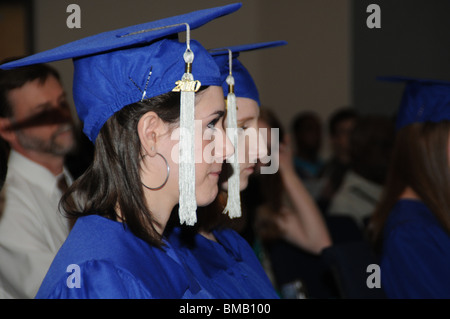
point(167, 177)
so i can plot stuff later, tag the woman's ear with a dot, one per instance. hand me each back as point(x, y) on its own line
point(150, 127)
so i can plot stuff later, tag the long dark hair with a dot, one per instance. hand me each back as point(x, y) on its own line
point(113, 181)
point(272, 185)
point(270, 188)
point(419, 160)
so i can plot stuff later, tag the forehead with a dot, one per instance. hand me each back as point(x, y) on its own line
point(247, 108)
point(35, 93)
point(209, 101)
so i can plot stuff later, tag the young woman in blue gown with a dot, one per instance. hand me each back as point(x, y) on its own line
point(411, 225)
point(126, 91)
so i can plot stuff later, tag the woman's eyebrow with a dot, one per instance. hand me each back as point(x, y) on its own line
point(249, 118)
point(219, 113)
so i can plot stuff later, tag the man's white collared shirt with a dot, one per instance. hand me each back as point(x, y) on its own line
point(31, 227)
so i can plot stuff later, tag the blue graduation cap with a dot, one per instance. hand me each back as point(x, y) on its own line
point(244, 85)
point(236, 82)
point(117, 68)
point(423, 100)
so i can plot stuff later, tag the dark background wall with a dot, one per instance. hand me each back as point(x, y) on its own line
point(413, 41)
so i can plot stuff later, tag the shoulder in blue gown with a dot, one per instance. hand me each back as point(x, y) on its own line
point(103, 259)
point(227, 268)
point(416, 253)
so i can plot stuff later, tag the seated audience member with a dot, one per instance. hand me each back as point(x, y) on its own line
point(35, 121)
point(370, 149)
point(307, 139)
point(340, 126)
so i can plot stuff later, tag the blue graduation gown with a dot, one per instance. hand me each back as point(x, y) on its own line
point(113, 263)
point(416, 253)
point(227, 268)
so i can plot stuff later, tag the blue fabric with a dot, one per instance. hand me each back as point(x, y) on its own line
point(113, 263)
point(416, 253)
point(227, 268)
point(309, 168)
point(105, 83)
point(244, 85)
point(423, 100)
point(114, 69)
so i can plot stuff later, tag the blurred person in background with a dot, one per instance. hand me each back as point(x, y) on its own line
point(370, 151)
point(307, 139)
point(340, 126)
point(36, 122)
point(410, 227)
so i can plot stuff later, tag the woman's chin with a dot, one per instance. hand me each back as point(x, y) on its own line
point(205, 200)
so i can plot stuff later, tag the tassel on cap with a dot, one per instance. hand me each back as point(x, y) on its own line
point(233, 206)
point(187, 86)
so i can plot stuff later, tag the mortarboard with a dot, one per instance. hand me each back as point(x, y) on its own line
point(236, 82)
point(423, 100)
point(117, 68)
point(244, 85)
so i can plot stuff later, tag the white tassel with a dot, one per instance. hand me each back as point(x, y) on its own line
point(187, 205)
point(233, 206)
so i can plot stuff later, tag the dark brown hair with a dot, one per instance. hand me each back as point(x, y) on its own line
point(420, 161)
point(339, 116)
point(271, 189)
point(16, 78)
point(371, 145)
point(113, 179)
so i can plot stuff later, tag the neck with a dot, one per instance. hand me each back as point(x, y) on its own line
point(53, 163)
point(409, 193)
point(208, 235)
point(161, 206)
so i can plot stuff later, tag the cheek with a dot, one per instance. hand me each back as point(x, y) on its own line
point(202, 143)
point(206, 188)
point(242, 149)
point(200, 172)
point(41, 131)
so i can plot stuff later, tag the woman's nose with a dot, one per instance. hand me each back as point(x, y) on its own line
point(224, 147)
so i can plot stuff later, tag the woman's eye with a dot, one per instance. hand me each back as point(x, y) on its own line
point(213, 123)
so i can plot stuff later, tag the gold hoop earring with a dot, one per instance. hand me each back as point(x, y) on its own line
point(167, 177)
